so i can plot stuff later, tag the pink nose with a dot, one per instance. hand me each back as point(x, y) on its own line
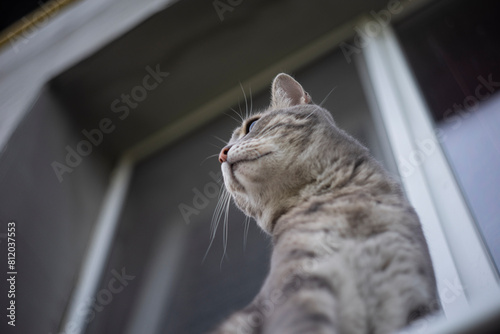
point(223, 154)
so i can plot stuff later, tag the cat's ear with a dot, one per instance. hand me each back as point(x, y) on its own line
point(286, 92)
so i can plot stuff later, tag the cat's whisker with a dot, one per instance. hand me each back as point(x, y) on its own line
point(210, 156)
point(222, 140)
point(240, 115)
point(310, 114)
point(218, 212)
point(235, 119)
point(245, 233)
point(216, 146)
point(241, 111)
point(251, 102)
point(327, 96)
point(223, 197)
point(225, 229)
point(208, 249)
point(246, 101)
point(219, 181)
point(218, 149)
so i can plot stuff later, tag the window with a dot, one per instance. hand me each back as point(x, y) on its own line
point(422, 95)
point(458, 251)
point(454, 52)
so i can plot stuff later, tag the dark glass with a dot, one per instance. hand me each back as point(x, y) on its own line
point(453, 48)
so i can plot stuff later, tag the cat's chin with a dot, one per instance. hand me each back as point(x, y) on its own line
point(242, 175)
point(230, 180)
point(237, 179)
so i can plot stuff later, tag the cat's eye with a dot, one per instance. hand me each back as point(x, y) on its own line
point(250, 125)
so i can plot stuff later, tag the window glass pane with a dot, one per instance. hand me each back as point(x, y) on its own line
point(453, 48)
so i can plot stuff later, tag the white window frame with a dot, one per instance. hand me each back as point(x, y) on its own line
point(465, 274)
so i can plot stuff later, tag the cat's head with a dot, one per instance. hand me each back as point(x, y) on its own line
point(278, 156)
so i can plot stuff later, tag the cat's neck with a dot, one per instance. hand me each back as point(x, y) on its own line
point(351, 175)
point(344, 178)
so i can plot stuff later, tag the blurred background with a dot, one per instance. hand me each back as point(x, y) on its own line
point(112, 114)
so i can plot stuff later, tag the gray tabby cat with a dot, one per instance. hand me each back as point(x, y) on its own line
point(349, 254)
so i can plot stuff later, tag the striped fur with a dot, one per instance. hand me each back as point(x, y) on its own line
point(349, 254)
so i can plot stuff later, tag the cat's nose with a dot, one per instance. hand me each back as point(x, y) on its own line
point(223, 154)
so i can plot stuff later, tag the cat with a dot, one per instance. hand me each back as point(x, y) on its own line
point(349, 254)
